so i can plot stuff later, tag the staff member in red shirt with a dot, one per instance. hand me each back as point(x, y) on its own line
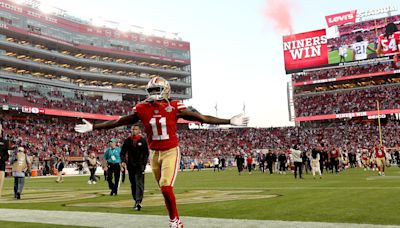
point(249, 161)
point(334, 159)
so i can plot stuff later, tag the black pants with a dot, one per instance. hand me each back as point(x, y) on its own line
point(298, 166)
point(321, 166)
point(123, 175)
point(136, 177)
point(92, 174)
point(249, 167)
point(262, 167)
point(240, 167)
point(105, 175)
point(216, 167)
point(270, 164)
point(335, 164)
point(113, 169)
point(282, 166)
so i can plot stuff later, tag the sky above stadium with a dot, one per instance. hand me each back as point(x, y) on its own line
point(236, 45)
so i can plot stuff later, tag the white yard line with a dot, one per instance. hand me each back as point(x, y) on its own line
point(97, 219)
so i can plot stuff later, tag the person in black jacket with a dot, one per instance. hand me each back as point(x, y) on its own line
point(270, 158)
point(138, 153)
point(282, 162)
point(239, 162)
point(4, 146)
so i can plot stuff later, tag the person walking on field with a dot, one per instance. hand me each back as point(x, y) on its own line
point(315, 157)
point(239, 162)
point(135, 147)
point(297, 160)
point(249, 161)
point(21, 164)
point(92, 165)
point(60, 166)
point(112, 165)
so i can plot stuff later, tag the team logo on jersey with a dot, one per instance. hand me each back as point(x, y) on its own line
point(169, 108)
point(156, 111)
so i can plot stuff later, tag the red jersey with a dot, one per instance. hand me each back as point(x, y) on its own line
point(249, 160)
point(364, 157)
point(380, 152)
point(390, 45)
point(334, 153)
point(159, 120)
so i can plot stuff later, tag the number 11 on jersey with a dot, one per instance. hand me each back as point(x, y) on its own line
point(162, 122)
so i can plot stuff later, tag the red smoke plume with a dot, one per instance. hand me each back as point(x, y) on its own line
point(279, 12)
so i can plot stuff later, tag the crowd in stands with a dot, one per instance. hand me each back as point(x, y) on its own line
point(341, 72)
point(45, 139)
point(56, 100)
point(97, 106)
point(50, 138)
point(345, 101)
point(368, 25)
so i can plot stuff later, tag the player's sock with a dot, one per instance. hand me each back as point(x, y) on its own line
point(170, 201)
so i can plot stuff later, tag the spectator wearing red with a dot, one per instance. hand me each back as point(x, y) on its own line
point(249, 161)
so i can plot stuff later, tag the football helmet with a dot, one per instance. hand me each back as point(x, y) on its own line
point(158, 89)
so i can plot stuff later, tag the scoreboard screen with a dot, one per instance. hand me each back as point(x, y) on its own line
point(355, 44)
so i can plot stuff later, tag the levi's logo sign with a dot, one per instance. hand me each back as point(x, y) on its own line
point(341, 18)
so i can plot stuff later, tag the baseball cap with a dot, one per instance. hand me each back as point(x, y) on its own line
point(113, 140)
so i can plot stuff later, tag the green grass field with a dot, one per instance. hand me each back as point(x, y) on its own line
point(353, 196)
point(333, 56)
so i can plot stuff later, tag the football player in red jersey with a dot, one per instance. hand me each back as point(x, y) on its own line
point(365, 161)
point(159, 116)
point(390, 41)
point(380, 155)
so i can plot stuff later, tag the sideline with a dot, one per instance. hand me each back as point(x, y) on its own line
point(98, 219)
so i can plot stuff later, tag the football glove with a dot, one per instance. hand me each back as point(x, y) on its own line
point(83, 128)
point(239, 120)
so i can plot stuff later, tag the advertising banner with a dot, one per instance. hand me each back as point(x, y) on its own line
point(305, 50)
point(341, 18)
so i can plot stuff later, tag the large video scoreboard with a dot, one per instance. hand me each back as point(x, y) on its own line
point(352, 43)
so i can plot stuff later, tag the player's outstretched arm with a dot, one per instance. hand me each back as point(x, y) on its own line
point(238, 120)
point(124, 120)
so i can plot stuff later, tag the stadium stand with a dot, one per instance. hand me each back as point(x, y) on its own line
point(341, 72)
point(48, 137)
point(345, 101)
